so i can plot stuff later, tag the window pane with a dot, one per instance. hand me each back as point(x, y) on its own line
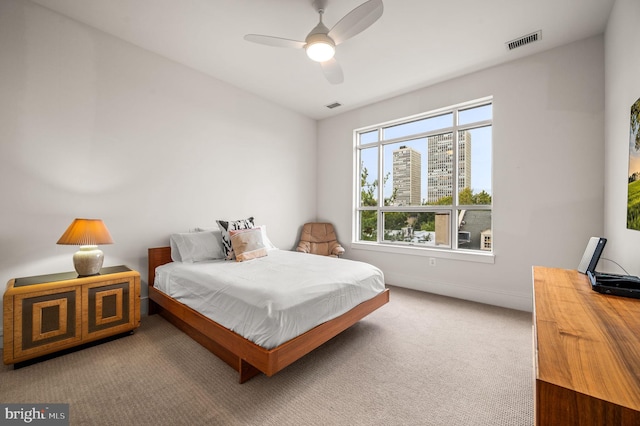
point(473, 115)
point(417, 228)
point(474, 166)
point(369, 137)
point(474, 232)
point(369, 225)
point(419, 126)
point(440, 169)
point(403, 173)
point(369, 177)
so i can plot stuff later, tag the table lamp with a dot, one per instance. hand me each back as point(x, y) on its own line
point(87, 233)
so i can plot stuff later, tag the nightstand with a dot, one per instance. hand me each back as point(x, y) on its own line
point(47, 313)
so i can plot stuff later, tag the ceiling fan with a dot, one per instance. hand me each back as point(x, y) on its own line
point(320, 44)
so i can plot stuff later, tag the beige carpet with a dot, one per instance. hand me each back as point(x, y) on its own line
point(420, 360)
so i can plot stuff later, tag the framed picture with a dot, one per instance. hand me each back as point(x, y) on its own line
point(633, 191)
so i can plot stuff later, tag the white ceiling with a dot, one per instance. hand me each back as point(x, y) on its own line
point(414, 44)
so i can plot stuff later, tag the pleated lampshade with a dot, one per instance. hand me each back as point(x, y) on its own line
point(88, 234)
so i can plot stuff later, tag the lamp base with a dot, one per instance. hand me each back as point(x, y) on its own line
point(88, 261)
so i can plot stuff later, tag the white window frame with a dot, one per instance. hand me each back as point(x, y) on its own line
point(454, 252)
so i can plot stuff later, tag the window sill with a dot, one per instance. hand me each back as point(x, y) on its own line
point(467, 256)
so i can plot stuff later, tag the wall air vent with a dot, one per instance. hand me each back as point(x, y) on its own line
point(334, 105)
point(521, 41)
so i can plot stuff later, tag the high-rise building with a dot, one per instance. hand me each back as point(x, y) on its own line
point(441, 162)
point(406, 176)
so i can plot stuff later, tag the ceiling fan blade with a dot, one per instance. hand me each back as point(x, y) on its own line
point(356, 21)
point(332, 71)
point(274, 41)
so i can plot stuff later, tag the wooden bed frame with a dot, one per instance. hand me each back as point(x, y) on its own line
point(247, 358)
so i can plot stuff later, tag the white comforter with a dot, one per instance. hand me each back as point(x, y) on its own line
point(272, 299)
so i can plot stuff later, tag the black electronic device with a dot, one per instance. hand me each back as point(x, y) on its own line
point(615, 284)
point(592, 254)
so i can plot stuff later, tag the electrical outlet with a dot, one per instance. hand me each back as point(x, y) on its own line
point(432, 261)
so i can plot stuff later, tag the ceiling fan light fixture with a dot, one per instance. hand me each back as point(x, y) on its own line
point(320, 47)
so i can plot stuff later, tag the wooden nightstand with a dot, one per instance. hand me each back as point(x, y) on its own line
point(47, 313)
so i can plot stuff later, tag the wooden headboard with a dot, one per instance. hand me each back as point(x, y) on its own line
point(157, 256)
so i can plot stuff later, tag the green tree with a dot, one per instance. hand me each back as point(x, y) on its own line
point(426, 222)
point(369, 225)
point(395, 220)
point(367, 190)
point(483, 197)
point(368, 218)
point(443, 201)
point(465, 197)
point(368, 198)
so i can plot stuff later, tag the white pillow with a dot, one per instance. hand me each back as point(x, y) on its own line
point(265, 240)
point(204, 228)
point(196, 246)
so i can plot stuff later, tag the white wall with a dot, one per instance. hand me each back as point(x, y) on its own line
point(91, 126)
point(622, 43)
point(547, 171)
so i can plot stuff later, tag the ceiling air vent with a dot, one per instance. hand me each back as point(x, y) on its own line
point(521, 41)
point(334, 105)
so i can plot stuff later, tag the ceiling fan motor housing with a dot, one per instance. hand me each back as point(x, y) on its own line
point(320, 47)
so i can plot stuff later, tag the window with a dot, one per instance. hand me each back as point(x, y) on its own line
point(425, 181)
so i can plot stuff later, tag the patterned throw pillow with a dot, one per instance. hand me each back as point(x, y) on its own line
point(233, 225)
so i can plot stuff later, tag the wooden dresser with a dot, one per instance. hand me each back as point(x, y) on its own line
point(586, 352)
point(48, 313)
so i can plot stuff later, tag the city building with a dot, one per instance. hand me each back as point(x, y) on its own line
point(407, 171)
point(440, 163)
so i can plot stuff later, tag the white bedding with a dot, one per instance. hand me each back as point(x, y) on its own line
point(272, 299)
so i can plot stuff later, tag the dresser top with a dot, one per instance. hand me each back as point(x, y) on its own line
point(65, 276)
point(586, 342)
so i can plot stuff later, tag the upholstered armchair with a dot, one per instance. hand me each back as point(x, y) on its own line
point(319, 238)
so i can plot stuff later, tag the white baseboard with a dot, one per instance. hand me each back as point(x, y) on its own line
point(505, 299)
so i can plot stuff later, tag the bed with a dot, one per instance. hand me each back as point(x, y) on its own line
point(243, 354)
